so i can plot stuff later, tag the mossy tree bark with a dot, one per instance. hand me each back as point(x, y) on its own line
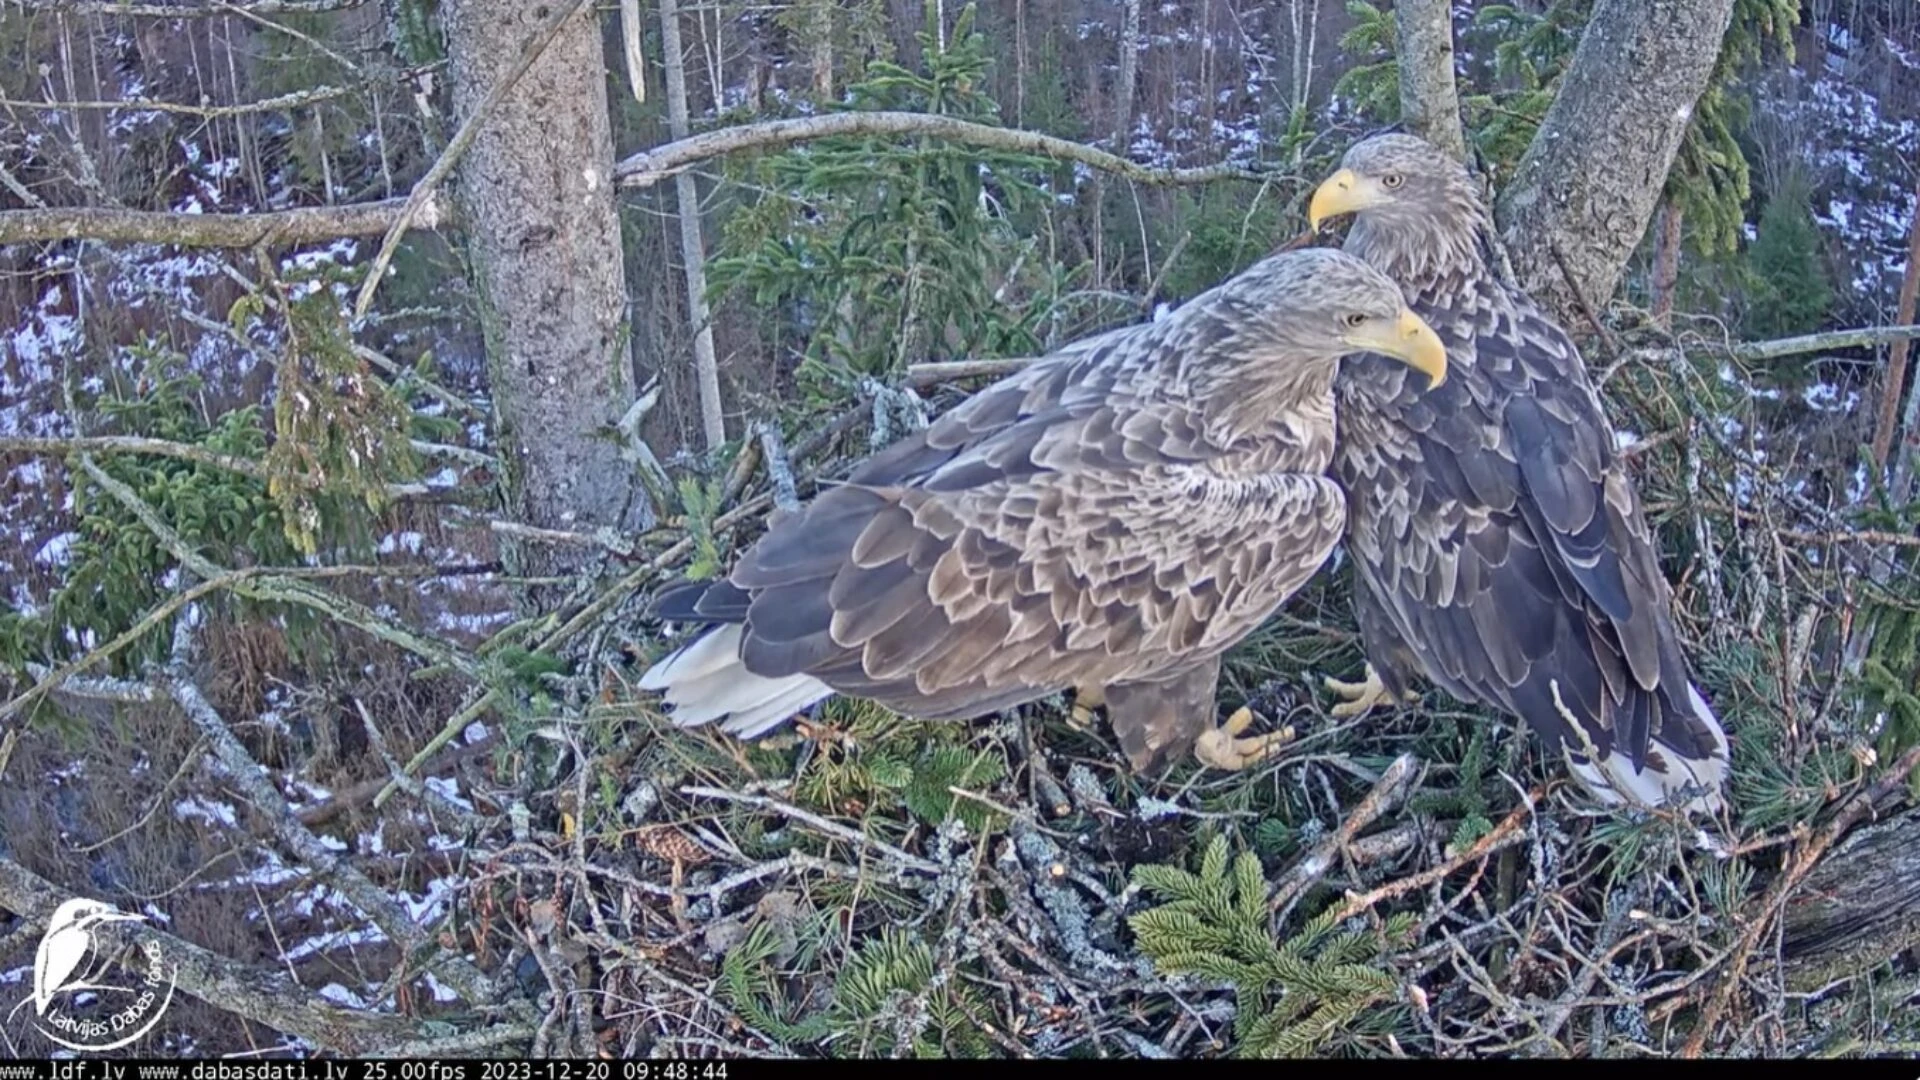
point(1593, 174)
point(536, 191)
point(1860, 907)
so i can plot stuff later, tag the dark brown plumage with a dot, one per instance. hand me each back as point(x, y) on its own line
point(1112, 518)
point(1499, 546)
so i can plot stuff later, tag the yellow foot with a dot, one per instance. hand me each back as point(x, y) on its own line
point(1086, 699)
point(1362, 697)
point(1222, 748)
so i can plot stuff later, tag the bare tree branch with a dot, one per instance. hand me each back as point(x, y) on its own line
point(206, 112)
point(263, 995)
point(649, 167)
point(147, 623)
point(317, 224)
point(1831, 339)
point(134, 444)
point(305, 225)
point(386, 913)
point(67, 676)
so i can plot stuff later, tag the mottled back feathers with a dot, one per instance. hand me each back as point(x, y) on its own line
point(1119, 513)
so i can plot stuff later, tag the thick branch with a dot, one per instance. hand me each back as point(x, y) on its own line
point(265, 996)
point(1429, 101)
point(651, 166)
point(1795, 868)
point(1860, 906)
point(1860, 338)
point(134, 444)
point(196, 11)
point(1896, 377)
point(317, 224)
point(306, 225)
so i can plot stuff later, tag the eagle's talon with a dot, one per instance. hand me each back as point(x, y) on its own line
point(1362, 697)
point(1086, 700)
point(1223, 749)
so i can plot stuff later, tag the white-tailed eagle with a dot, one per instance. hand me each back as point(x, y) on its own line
point(1499, 547)
point(1109, 520)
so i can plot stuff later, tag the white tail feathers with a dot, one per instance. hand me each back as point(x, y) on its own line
point(1670, 779)
point(705, 681)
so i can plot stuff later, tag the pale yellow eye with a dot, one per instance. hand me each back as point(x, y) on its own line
point(1354, 321)
point(1392, 180)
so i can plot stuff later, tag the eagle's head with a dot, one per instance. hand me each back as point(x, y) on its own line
point(1417, 211)
point(1319, 304)
point(1395, 179)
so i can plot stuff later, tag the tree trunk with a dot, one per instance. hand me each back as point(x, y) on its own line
point(693, 248)
point(1883, 429)
point(1429, 101)
point(1020, 63)
point(1129, 75)
point(1666, 260)
point(820, 54)
point(1858, 908)
point(1594, 172)
point(536, 191)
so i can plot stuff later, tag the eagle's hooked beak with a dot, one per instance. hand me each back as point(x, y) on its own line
point(1409, 340)
point(1345, 192)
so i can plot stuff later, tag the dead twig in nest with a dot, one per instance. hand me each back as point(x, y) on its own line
point(1505, 834)
point(1386, 794)
point(831, 828)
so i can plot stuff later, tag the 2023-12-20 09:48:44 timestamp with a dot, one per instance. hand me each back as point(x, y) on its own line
point(544, 1070)
point(594, 1070)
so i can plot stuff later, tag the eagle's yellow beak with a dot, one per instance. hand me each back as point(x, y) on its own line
point(1409, 340)
point(1345, 192)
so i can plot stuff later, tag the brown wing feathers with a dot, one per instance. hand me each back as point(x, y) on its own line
point(1576, 628)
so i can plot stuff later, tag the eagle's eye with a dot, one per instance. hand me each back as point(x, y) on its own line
point(1353, 321)
point(1392, 180)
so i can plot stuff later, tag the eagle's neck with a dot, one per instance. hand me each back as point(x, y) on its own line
point(1278, 417)
point(1428, 254)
